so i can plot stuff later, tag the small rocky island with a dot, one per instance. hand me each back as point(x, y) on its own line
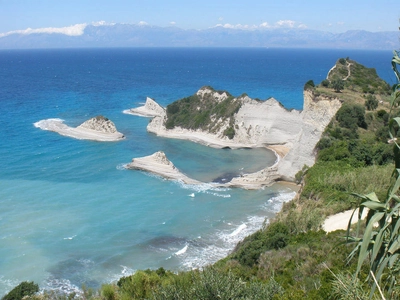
point(159, 164)
point(98, 129)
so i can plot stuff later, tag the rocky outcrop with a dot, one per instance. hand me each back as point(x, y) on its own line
point(98, 129)
point(264, 124)
point(100, 124)
point(216, 95)
point(150, 109)
point(159, 164)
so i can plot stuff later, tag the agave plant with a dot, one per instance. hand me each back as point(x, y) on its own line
point(380, 243)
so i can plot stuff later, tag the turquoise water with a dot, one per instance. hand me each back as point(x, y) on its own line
point(70, 214)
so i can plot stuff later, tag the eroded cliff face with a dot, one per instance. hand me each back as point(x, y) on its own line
point(317, 112)
point(266, 123)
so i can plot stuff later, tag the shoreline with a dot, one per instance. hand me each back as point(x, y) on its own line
point(158, 163)
point(252, 181)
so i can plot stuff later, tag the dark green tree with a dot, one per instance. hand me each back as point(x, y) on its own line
point(325, 83)
point(309, 85)
point(351, 116)
point(337, 84)
point(371, 103)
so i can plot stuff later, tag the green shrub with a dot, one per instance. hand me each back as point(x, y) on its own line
point(337, 84)
point(139, 285)
point(324, 142)
point(275, 236)
point(22, 290)
point(371, 103)
point(300, 174)
point(212, 283)
point(230, 132)
point(108, 291)
point(351, 116)
point(338, 151)
point(325, 83)
point(309, 85)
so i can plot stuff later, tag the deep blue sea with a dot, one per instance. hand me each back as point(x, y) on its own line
point(70, 214)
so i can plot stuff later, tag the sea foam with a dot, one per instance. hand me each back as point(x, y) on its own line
point(182, 251)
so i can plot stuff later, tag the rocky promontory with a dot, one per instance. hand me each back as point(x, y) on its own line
point(217, 119)
point(159, 164)
point(150, 109)
point(98, 129)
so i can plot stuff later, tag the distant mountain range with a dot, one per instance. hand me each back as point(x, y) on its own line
point(130, 35)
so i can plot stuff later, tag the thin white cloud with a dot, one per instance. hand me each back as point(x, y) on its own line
point(172, 23)
point(102, 23)
point(285, 23)
point(74, 30)
point(265, 25)
point(143, 23)
point(237, 26)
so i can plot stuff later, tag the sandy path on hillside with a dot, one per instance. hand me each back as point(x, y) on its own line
point(340, 221)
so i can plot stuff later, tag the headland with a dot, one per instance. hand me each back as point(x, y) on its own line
point(217, 119)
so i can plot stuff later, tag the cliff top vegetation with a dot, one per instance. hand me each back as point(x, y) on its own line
point(208, 110)
point(353, 82)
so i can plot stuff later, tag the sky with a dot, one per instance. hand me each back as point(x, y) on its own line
point(333, 16)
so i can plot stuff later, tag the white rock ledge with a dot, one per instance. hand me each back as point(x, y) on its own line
point(159, 164)
point(96, 129)
point(150, 109)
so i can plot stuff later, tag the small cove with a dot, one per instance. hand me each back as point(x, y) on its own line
point(208, 164)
